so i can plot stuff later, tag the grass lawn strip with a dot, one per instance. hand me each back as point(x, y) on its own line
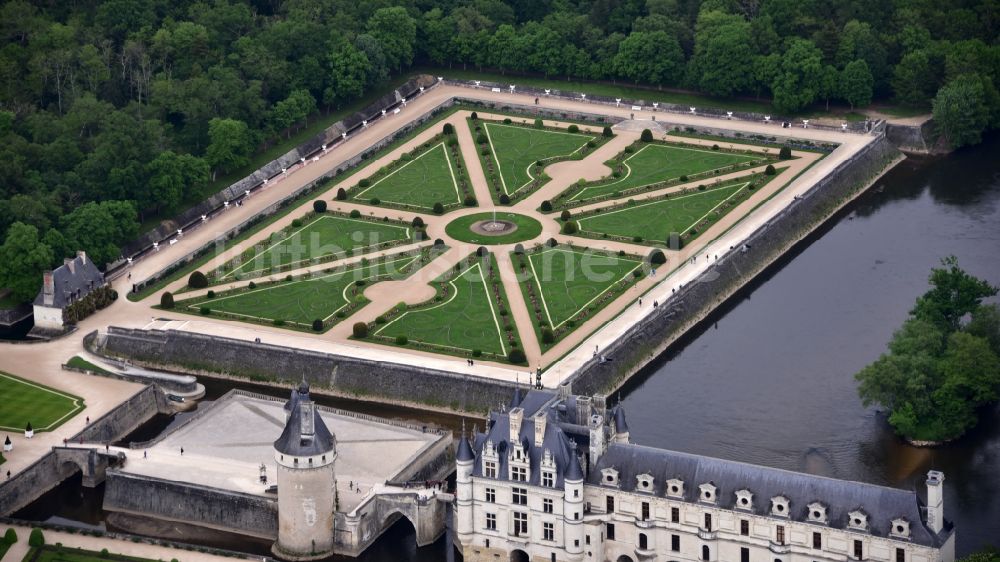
point(55, 553)
point(454, 295)
point(500, 167)
point(308, 258)
point(634, 227)
point(541, 292)
point(24, 401)
point(671, 170)
point(193, 306)
point(417, 185)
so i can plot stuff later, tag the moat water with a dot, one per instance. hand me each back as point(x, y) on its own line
point(769, 378)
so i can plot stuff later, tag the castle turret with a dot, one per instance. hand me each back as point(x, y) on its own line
point(465, 459)
point(573, 504)
point(305, 453)
point(621, 426)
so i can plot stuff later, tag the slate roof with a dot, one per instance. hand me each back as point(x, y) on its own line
point(72, 284)
point(292, 441)
point(881, 504)
point(464, 450)
point(621, 426)
point(554, 440)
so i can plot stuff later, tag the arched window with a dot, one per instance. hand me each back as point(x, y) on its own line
point(705, 553)
point(643, 542)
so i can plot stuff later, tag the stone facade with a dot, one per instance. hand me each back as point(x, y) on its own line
point(520, 497)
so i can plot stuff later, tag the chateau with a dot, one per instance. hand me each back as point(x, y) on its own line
point(555, 478)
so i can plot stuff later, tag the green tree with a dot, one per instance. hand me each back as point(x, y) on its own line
point(651, 57)
point(857, 83)
point(859, 41)
point(985, 323)
point(172, 179)
point(723, 55)
point(954, 293)
point(396, 32)
point(292, 111)
point(960, 111)
point(24, 257)
point(230, 146)
point(799, 76)
point(349, 68)
point(101, 228)
point(914, 79)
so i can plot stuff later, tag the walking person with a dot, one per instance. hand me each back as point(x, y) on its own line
point(182, 451)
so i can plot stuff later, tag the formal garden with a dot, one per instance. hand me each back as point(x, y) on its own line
point(468, 316)
point(563, 286)
point(35, 406)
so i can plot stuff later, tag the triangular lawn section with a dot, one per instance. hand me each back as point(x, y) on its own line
point(516, 149)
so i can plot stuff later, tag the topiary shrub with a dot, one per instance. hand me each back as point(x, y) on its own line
point(474, 116)
point(769, 170)
point(360, 330)
point(36, 538)
point(469, 201)
point(10, 537)
point(375, 201)
point(341, 194)
point(448, 129)
point(477, 353)
point(546, 206)
point(565, 215)
point(548, 336)
point(417, 222)
point(715, 147)
point(507, 121)
point(197, 280)
point(573, 129)
point(401, 340)
point(252, 285)
point(607, 132)
point(504, 199)
point(516, 356)
point(104, 553)
point(205, 311)
point(482, 251)
point(355, 214)
point(519, 249)
point(438, 208)
point(785, 153)
point(481, 138)
point(438, 242)
point(296, 223)
point(210, 294)
point(539, 124)
point(551, 243)
point(683, 178)
point(569, 227)
point(317, 325)
point(166, 300)
point(320, 206)
point(657, 257)
point(646, 136)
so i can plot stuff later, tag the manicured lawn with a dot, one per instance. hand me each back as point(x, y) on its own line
point(297, 303)
point(80, 363)
point(23, 401)
point(527, 228)
point(655, 221)
point(571, 280)
point(427, 179)
point(653, 163)
point(463, 316)
point(326, 235)
point(516, 149)
point(52, 553)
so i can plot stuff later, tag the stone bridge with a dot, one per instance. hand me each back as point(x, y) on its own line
point(425, 509)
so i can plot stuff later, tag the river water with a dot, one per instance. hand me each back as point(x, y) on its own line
point(768, 379)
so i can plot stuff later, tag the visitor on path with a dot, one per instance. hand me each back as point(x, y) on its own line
point(640, 302)
point(182, 451)
point(145, 454)
point(655, 304)
point(88, 420)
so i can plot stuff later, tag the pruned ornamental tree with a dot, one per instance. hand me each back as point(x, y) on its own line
point(360, 330)
point(319, 206)
point(167, 300)
point(197, 280)
point(646, 135)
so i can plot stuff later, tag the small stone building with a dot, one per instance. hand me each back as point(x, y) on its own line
point(61, 287)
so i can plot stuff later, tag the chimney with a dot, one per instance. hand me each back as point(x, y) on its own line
point(583, 404)
point(48, 288)
point(70, 264)
point(540, 420)
point(82, 255)
point(515, 416)
point(935, 500)
point(601, 405)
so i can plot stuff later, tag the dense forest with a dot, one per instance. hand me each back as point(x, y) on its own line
point(119, 111)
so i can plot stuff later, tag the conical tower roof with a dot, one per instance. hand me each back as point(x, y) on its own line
point(305, 433)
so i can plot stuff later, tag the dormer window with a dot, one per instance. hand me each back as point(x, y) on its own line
point(816, 512)
point(744, 499)
point(609, 477)
point(707, 492)
point(675, 488)
point(857, 520)
point(644, 483)
point(900, 528)
point(779, 506)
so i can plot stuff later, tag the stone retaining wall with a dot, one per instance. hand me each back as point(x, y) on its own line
point(648, 337)
point(917, 139)
point(198, 353)
point(26, 486)
point(190, 503)
point(126, 417)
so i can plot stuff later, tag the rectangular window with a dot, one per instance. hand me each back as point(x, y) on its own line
point(817, 540)
point(587, 539)
point(643, 541)
point(610, 504)
point(519, 496)
point(547, 505)
point(518, 474)
point(547, 480)
point(491, 495)
point(744, 554)
point(490, 469)
point(708, 522)
point(675, 543)
point(744, 527)
point(900, 555)
point(675, 515)
point(491, 521)
point(645, 511)
point(780, 535)
point(611, 531)
point(548, 532)
point(520, 524)
point(857, 549)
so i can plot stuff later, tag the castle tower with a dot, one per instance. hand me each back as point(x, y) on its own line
point(465, 459)
point(573, 505)
point(305, 453)
point(621, 427)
